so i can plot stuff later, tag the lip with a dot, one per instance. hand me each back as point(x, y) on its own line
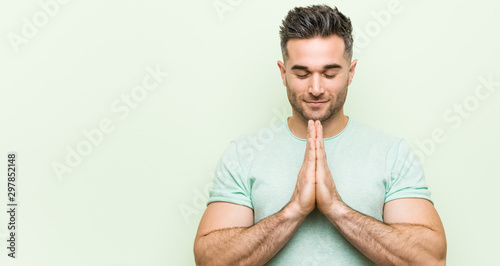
point(316, 104)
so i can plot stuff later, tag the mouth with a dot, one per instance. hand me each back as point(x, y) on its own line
point(316, 104)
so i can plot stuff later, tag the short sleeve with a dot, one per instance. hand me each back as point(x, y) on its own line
point(230, 181)
point(405, 174)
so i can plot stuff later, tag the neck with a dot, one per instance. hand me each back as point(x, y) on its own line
point(331, 127)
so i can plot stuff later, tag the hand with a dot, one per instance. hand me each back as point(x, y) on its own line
point(327, 196)
point(304, 198)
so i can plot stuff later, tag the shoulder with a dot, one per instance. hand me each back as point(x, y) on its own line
point(368, 135)
point(263, 136)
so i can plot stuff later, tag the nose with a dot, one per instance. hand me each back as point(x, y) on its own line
point(315, 86)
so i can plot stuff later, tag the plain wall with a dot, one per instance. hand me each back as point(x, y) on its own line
point(428, 72)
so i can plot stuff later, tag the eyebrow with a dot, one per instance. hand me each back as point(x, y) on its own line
point(330, 66)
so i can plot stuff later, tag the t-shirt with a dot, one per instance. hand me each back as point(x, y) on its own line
point(369, 168)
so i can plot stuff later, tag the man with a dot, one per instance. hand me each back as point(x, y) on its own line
point(357, 196)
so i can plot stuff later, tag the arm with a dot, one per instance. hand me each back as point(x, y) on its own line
point(241, 243)
point(412, 232)
point(227, 235)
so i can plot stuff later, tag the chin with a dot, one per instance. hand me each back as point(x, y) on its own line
point(314, 117)
point(318, 115)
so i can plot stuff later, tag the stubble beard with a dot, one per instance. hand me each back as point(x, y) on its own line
point(331, 110)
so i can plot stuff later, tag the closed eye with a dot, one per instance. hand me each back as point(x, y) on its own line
point(306, 75)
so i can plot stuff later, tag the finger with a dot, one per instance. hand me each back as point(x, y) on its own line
point(309, 125)
point(311, 140)
point(313, 131)
point(311, 166)
point(308, 142)
point(311, 162)
point(312, 137)
point(320, 150)
point(319, 129)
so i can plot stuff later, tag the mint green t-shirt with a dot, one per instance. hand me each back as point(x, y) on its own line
point(369, 168)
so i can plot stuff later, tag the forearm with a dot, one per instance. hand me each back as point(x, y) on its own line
point(394, 244)
point(254, 245)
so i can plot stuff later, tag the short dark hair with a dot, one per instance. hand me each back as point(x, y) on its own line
point(316, 20)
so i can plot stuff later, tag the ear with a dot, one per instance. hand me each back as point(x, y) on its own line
point(282, 68)
point(352, 70)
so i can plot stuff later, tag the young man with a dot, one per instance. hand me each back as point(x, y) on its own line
point(356, 196)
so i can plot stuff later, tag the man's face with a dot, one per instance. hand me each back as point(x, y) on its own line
point(316, 76)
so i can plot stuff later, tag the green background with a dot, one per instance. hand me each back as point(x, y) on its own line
point(137, 197)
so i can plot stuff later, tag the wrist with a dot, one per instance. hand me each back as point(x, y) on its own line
point(336, 211)
point(292, 211)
